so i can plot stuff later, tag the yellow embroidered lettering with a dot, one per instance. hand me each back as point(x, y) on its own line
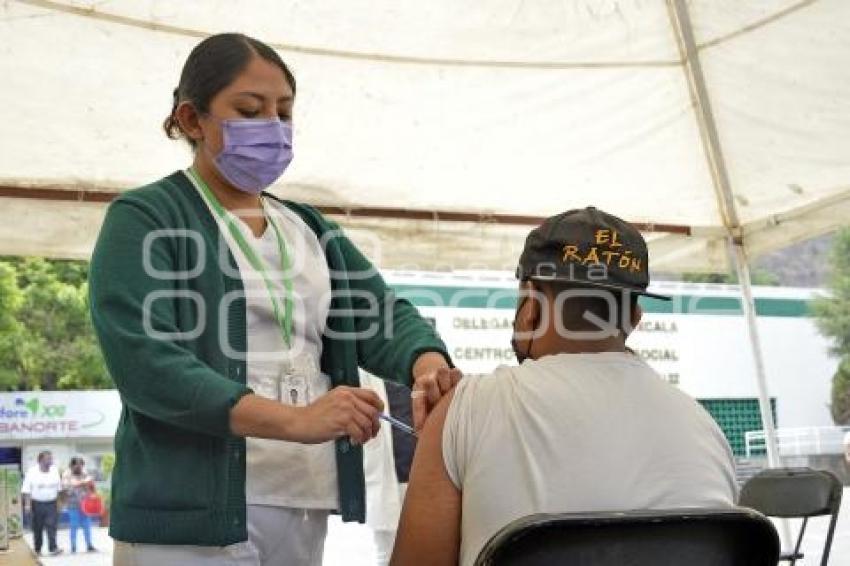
point(609, 255)
point(592, 256)
point(635, 264)
point(614, 242)
point(602, 236)
point(625, 260)
point(571, 253)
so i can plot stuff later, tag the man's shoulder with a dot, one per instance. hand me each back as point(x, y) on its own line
point(483, 382)
point(481, 392)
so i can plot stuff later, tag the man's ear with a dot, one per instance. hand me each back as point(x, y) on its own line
point(532, 308)
point(188, 119)
point(524, 318)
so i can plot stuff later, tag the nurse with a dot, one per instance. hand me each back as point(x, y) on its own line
point(233, 324)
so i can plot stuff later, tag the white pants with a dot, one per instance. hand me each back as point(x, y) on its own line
point(287, 537)
point(137, 554)
point(277, 536)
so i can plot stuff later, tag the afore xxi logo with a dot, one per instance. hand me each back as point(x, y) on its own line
point(39, 410)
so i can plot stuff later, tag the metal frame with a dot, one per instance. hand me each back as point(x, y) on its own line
point(681, 23)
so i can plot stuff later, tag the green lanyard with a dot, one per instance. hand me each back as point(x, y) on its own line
point(283, 314)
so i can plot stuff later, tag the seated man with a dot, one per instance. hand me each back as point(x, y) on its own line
point(581, 425)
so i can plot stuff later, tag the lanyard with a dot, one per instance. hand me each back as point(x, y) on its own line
point(283, 314)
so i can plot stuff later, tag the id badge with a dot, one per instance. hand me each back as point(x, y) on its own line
point(293, 387)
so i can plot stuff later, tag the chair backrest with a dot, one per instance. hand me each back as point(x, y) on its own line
point(691, 537)
point(792, 492)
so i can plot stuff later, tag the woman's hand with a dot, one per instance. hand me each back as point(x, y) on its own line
point(432, 378)
point(343, 411)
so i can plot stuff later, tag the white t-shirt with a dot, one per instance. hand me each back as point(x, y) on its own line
point(286, 474)
point(42, 486)
point(579, 432)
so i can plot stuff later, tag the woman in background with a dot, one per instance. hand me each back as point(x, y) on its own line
point(77, 484)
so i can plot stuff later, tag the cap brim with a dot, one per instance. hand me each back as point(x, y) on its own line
point(656, 296)
point(609, 286)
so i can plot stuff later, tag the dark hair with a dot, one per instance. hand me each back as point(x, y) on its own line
point(211, 66)
point(43, 454)
point(76, 460)
point(598, 303)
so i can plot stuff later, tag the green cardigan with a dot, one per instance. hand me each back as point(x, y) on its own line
point(171, 323)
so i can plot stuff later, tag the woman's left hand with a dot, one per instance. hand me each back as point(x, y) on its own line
point(432, 378)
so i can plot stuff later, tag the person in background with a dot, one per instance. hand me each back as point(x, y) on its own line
point(40, 490)
point(77, 483)
point(581, 425)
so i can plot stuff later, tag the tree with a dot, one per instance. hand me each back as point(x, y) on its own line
point(841, 394)
point(49, 343)
point(11, 331)
point(833, 319)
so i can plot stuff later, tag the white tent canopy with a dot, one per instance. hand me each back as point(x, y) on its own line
point(470, 114)
point(440, 130)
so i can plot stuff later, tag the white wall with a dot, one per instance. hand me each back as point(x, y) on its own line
point(708, 355)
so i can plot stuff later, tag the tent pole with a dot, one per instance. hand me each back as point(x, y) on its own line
point(742, 268)
point(680, 20)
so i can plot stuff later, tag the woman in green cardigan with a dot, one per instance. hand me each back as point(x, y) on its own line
point(233, 324)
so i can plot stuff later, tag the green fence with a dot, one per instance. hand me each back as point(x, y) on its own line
point(736, 417)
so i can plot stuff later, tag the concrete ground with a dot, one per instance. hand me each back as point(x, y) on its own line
point(352, 545)
point(18, 554)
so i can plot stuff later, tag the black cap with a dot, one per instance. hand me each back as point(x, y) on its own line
point(590, 248)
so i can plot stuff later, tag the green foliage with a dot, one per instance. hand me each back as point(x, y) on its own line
point(841, 393)
point(107, 464)
point(46, 338)
point(832, 314)
point(10, 329)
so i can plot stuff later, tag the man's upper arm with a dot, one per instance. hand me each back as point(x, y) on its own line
point(429, 530)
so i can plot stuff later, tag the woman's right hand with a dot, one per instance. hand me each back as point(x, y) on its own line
point(343, 411)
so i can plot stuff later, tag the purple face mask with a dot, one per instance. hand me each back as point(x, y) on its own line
point(256, 152)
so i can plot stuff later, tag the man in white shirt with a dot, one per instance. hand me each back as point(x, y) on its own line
point(40, 490)
point(581, 425)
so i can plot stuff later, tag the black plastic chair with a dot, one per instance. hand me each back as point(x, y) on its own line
point(677, 537)
point(797, 493)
